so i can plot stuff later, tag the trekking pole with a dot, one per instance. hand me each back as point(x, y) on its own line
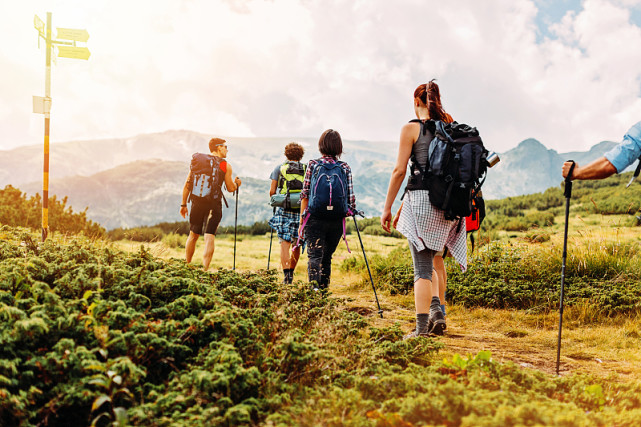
point(380, 312)
point(235, 227)
point(271, 236)
point(568, 195)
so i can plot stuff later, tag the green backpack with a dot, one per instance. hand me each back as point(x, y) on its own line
point(290, 184)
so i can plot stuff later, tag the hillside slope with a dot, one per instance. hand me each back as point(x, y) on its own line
point(138, 181)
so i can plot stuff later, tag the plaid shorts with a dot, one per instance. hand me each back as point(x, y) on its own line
point(286, 224)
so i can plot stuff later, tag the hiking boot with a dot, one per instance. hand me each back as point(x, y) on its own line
point(436, 325)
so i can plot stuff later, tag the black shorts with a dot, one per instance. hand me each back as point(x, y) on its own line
point(205, 216)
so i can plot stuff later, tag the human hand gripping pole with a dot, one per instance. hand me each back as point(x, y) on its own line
point(568, 195)
point(380, 311)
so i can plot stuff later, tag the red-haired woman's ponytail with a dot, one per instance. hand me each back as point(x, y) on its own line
point(434, 105)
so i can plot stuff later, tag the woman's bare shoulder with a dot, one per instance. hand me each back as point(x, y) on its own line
point(410, 131)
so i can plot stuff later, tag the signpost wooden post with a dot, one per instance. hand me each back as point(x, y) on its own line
point(42, 105)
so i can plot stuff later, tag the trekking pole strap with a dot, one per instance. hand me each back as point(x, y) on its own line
point(345, 236)
point(302, 228)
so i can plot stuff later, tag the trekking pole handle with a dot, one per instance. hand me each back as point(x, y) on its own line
point(568, 181)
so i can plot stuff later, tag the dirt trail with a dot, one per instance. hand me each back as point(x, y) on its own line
point(528, 340)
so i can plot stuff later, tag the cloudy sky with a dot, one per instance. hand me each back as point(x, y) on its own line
point(566, 72)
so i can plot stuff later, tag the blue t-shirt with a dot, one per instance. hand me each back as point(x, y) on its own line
point(628, 150)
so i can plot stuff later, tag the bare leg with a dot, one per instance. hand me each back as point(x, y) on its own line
point(209, 250)
point(422, 295)
point(285, 260)
point(288, 258)
point(439, 267)
point(190, 246)
point(293, 259)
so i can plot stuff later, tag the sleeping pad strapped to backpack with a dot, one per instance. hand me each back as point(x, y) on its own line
point(290, 184)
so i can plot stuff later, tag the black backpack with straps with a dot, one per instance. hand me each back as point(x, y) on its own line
point(208, 177)
point(455, 170)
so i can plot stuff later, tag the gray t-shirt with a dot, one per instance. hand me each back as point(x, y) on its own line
point(275, 173)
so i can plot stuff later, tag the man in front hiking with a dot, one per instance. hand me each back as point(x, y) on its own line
point(203, 188)
point(615, 160)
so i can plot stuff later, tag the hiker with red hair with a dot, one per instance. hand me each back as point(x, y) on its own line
point(423, 224)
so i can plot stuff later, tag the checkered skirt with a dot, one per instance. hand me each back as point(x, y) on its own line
point(286, 224)
point(425, 226)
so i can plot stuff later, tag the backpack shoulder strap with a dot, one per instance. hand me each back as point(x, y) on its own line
point(281, 176)
point(426, 125)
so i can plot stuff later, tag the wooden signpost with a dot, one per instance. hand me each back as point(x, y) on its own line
point(66, 45)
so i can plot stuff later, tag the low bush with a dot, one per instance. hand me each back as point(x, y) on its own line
point(17, 210)
point(174, 240)
point(89, 332)
point(94, 335)
point(505, 275)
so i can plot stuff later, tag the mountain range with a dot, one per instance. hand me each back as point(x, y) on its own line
point(126, 182)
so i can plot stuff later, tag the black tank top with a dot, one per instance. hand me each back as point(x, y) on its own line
point(420, 151)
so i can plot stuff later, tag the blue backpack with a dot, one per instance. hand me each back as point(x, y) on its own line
point(328, 191)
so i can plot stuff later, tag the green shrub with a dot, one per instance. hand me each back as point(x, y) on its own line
point(174, 240)
point(393, 273)
point(137, 234)
point(537, 236)
point(90, 333)
point(17, 210)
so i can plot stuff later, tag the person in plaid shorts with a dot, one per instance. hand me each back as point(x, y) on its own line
point(423, 224)
point(286, 220)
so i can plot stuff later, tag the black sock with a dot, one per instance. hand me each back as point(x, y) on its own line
point(435, 305)
point(289, 275)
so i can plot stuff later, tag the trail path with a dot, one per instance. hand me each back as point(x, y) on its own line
point(607, 348)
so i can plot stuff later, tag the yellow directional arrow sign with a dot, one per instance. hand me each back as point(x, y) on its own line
point(73, 52)
point(72, 34)
point(39, 25)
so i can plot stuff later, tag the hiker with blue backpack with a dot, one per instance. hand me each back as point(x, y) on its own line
point(432, 216)
point(287, 183)
point(327, 198)
point(203, 188)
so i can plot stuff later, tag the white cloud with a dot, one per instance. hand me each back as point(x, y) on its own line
point(296, 67)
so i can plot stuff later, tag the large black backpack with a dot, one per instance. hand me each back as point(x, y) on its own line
point(208, 177)
point(457, 164)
